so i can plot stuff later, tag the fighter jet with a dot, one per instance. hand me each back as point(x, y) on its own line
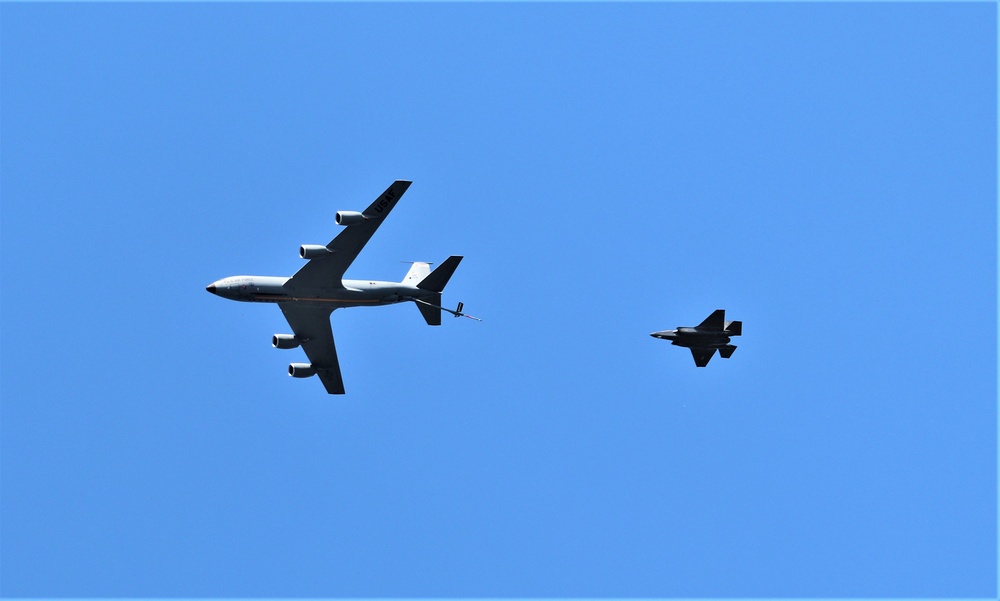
point(309, 297)
point(706, 337)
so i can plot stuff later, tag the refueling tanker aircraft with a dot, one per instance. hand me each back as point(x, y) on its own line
point(706, 337)
point(309, 297)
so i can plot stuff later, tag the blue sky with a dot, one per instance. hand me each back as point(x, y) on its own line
point(824, 172)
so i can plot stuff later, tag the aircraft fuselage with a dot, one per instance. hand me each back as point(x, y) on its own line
point(354, 293)
point(712, 334)
point(693, 337)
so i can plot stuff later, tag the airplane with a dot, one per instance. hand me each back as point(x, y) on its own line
point(706, 337)
point(317, 289)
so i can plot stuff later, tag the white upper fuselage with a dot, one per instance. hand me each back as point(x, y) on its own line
point(354, 293)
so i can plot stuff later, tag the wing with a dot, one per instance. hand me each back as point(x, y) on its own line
point(328, 271)
point(702, 356)
point(715, 321)
point(311, 325)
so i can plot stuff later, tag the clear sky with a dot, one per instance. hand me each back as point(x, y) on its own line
point(824, 172)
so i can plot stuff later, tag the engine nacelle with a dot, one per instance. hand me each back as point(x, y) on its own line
point(301, 370)
point(313, 251)
point(285, 341)
point(349, 217)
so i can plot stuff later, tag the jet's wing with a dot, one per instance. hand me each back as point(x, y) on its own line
point(715, 321)
point(328, 271)
point(702, 356)
point(311, 325)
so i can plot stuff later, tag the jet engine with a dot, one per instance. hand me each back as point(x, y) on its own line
point(312, 251)
point(285, 341)
point(349, 217)
point(301, 370)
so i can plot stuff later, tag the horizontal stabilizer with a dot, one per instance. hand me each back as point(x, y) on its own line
point(726, 351)
point(431, 313)
point(734, 328)
point(438, 279)
point(715, 321)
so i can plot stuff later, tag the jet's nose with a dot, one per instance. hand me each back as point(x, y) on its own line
point(211, 288)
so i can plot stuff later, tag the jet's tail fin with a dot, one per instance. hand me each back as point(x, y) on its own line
point(418, 271)
point(432, 314)
point(715, 321)
point(727, 351)
point(438, 279)
point(734, 328)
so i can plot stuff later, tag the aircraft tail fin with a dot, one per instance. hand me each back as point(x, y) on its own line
point(727, 351)
point(715, 321)
point(438, 279)
point(734, 328)
point(432, 314)
point(418, 271)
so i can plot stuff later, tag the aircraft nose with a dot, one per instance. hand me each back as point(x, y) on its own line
point(211, 288)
